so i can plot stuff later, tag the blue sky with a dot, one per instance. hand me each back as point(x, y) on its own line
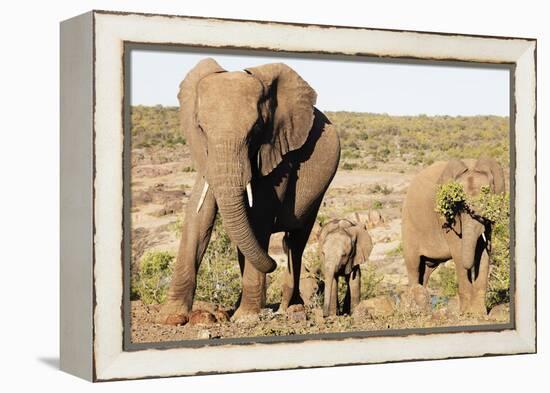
point(361, 86)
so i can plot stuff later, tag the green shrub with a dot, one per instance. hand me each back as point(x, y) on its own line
point(349, 166)
point(498, 290)
point(219, 276)
point(370, 282)
point(176, 226)
point(380, 189)
point(275, 282)
point(397, 251)
point(377, 205)
point(450, 199)
point(445, 280)
point(150, 283)
point(322, 218)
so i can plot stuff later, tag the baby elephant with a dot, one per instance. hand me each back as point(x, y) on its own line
point(343, 247)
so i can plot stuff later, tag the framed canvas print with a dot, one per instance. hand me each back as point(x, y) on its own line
point(246, 195)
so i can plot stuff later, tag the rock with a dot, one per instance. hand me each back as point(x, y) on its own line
point(318, 317)
point(203, 335)
point(380, 306)
point(296, 312)
point(201, 317)
point(361, 312)
point(416, 299)
point(173, 319)
point(246, 318)
point(440, 314)
point(500, 312)
point(221, 315)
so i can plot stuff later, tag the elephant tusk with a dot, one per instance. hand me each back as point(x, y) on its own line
point(203, 195)
point(484, 237)
point(249, 193)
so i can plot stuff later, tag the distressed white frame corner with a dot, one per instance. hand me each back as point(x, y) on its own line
point(91, 194)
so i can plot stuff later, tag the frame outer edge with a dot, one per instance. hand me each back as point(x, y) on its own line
point(76, 196)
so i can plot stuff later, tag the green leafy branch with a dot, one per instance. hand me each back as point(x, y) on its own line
point(451, 199)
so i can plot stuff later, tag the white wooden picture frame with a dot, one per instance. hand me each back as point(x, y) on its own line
point(92, 189)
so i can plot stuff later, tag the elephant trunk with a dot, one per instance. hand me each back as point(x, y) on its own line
point(328, 301)
point(228, 177)
point(471, 231)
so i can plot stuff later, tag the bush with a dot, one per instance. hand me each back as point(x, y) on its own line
point(219, 276)
point(498, 290)
point(370, 282)
point(450, 199)
point(275, 281)
point(446, 280)
point(397, 251)
point(380, 189)
point(150, 283)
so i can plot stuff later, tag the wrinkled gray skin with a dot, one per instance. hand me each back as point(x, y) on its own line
point(428, 241)
point(343, 247)
point(256, 128)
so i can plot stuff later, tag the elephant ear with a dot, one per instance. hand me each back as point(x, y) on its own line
point(453, 169)
point(363, 244)
point(291, 118)
point(494, 172)
point(187, 97)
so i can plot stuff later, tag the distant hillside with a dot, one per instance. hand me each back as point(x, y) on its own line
point(367, 139)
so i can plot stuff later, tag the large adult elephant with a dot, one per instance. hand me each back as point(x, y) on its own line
point(265, 157)
point(429, 240)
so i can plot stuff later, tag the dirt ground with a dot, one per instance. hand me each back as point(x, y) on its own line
point(161, 186)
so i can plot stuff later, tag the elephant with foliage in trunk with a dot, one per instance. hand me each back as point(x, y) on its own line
point(430, 239)
point(264, 157)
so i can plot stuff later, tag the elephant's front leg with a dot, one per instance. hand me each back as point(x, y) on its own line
point(195, 236)
point(464, 288)
point(479, 288)
point(253, 294)
point(330, 306)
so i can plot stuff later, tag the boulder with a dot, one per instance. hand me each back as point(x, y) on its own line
point(173, 319)
point(296, 312)
point(500, 312)
point(380, 306)
point(201, 317)
point(416, 299)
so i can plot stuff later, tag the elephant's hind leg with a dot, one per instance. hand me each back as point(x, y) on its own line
point(413, 263)
point(354, 285)
point(353, 291)
point(479, 287)
point(427, 267)
point(296, 241)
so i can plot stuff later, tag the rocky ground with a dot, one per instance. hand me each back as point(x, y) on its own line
point(380, 313)
point(161, 185)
